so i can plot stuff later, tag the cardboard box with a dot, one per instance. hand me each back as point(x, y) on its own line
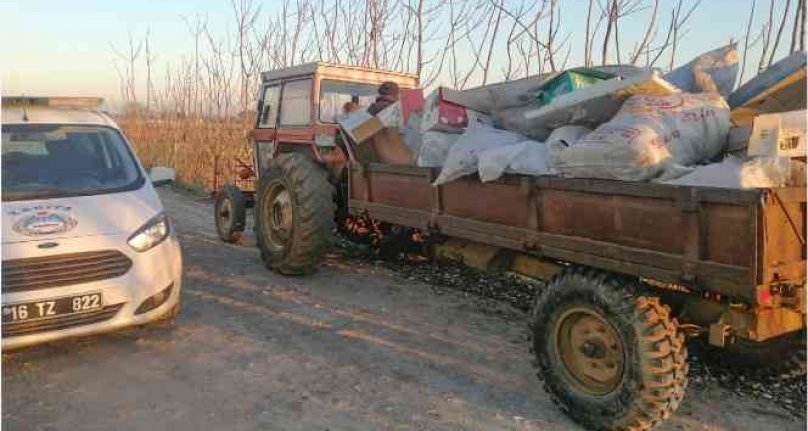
point(569, 81)
point(412, 101)
point(780, 134)
point(390, 148)
point(443, 115)
point(361, 126)
point(391, 115)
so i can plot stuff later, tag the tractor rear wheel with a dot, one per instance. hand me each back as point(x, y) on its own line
point(609, 358)
point(294, 214)
point(230, 209)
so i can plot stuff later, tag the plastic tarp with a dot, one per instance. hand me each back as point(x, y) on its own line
point(435, 148)
point(649, 136)
point(714, 71)
point(780, 88)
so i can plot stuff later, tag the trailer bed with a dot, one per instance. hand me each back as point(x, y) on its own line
point(731, 242)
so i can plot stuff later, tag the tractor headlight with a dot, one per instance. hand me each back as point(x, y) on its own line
point(150, 234)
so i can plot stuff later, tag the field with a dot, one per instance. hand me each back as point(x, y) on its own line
point(192, 147)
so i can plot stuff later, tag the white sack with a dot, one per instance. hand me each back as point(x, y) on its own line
point(568, 135)
point(648, 136)
point(493, 162)
point(532, 160)
point(525, 157)
point(738, 173)
point(462, 158)
point(434, 147)
point(714, 71)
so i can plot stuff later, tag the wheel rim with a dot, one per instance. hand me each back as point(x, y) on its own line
point(590, 349)
point(225, 214)
point(278, 223)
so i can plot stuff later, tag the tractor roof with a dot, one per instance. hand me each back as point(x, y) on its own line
point(344, 72)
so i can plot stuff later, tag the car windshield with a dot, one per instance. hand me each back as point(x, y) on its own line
point(335, 94)
point(47, 161)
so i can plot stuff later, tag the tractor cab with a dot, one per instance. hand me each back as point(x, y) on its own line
point(299, 106)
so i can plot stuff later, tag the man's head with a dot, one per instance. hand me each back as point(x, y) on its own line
point(389, 88)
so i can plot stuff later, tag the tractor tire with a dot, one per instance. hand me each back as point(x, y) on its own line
point(294, 214)
point(609, 358)
point(230, 211)
point(781, 358)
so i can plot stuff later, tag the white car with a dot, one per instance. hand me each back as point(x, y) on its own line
point(86, 245)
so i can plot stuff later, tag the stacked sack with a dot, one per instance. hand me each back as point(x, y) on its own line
point(650, 136)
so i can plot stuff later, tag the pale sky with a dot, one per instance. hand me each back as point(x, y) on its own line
point(53, 47)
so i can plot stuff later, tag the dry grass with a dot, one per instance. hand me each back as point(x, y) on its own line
point(189, 146)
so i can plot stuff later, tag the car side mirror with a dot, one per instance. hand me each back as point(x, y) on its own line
point(161, 176)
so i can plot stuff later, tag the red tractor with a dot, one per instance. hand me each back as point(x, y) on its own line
point(299, 162)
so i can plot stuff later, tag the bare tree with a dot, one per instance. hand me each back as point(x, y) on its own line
point(746, 40)
point(767, 35)
point(779, 31)
point(130, 59)
point(798, 30)
point(647, 36)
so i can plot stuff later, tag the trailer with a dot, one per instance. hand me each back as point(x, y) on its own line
point(637, 266)
point(642, 265)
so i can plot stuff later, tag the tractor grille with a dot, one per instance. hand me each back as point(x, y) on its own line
point(21, 275)
point(61, 322)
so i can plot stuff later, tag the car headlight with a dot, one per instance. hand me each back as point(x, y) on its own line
point(150, 234)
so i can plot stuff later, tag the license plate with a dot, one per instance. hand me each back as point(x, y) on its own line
point(25, 311)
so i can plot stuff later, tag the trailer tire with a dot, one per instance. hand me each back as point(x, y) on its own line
point(781, 358)
point(294, 214)
point(583, 322)
point(230, 213)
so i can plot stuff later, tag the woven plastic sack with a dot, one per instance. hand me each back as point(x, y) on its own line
point(649, 136)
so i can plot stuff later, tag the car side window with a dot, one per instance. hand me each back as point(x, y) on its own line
point(269, 106)
point(296, 103)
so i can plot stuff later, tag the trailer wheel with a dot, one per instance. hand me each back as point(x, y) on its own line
point(780, 358)
point(230, 209)
point(609, 358)
point(294, 214)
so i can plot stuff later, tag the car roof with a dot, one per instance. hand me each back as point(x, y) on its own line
point(55, 115)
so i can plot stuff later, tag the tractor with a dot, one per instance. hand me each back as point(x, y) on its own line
point(297, 182)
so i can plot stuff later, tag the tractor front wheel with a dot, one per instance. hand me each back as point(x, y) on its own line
point(230, 209)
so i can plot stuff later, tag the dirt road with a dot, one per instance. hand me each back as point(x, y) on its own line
point(354, 347)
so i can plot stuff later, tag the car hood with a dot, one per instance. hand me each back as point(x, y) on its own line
point(49, 219)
